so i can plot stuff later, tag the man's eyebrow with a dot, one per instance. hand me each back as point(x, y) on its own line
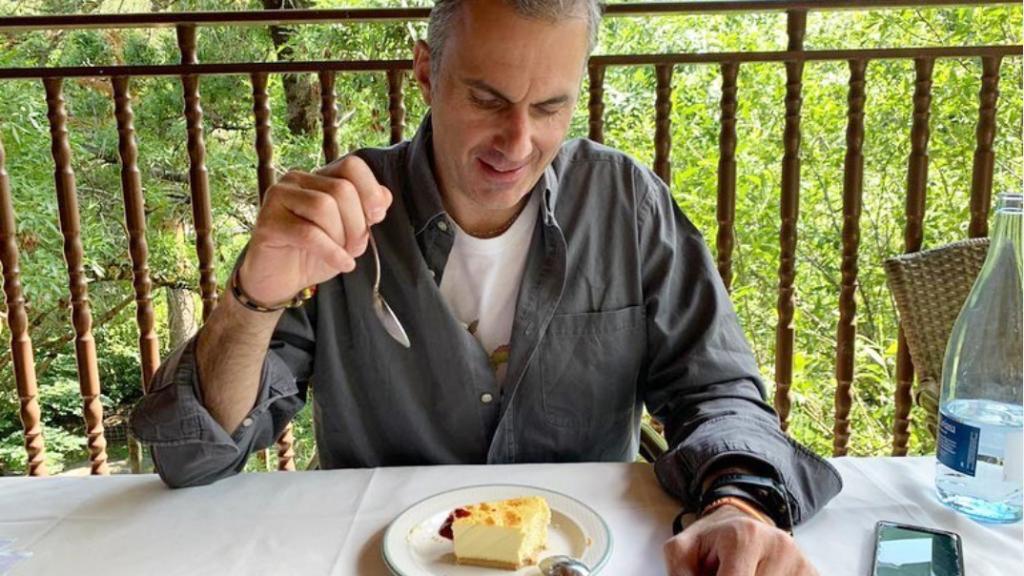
point(484, 86)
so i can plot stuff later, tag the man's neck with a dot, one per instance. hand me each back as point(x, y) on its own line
point(484, 223)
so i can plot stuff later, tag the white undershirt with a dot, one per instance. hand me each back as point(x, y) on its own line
point(481, 282)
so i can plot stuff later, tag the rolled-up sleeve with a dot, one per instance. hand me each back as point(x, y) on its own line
point(189, 446)
point(702, 381)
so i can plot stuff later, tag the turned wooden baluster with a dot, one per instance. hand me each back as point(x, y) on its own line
point(396, 107)
point(789, 212)
point(913, 237)
point(85, 346)
point(197, 177)
point(329, 114)
point(135, 219)
point(726, 207)
point(596, 102)
point(264, 144)
point(662, 123)
point(984, 157)
point(265, 179)
point(853, 186)
point(17, 320)
point(286, 450)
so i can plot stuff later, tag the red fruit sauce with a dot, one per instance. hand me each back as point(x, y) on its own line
point(446, 528)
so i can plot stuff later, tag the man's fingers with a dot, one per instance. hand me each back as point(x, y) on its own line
point(388, 197)
point(314, 206)
point(681, 556)
point(375, 199)
point(307, 236)
point(348, 205)
point(309, 220)
point(353, 218)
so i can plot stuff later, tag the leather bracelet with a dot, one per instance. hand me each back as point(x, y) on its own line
point(739, 503)
point(245, 300)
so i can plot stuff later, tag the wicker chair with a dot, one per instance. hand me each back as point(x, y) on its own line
point(930, 288)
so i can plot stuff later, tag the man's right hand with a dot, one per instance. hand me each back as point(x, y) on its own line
point(312, 227)
point(729, 542)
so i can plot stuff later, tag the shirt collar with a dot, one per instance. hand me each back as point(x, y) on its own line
point(424, 197)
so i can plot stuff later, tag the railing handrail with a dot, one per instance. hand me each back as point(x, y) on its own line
point(380, 65)
point(356, 15)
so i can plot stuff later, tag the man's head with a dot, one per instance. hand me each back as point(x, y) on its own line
point(502, 78)
point(445, 11)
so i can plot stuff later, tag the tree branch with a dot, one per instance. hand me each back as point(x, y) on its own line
point(50, 350)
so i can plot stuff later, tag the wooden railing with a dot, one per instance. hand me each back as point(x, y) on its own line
point(190, 71)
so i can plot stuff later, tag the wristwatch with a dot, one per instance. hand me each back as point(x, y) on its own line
point(764, 492)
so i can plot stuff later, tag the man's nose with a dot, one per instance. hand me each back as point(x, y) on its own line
point(515, 139)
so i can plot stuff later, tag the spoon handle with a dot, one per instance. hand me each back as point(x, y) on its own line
point(376, 263)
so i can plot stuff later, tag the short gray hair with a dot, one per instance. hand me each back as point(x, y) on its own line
point(445, 11)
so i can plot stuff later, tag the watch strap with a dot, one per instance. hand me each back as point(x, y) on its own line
point(766, 493)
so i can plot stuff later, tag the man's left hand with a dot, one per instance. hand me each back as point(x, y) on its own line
point(729, 542)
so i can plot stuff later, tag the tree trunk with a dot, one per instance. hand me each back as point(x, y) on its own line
point(181, 304)
point(302, 97)
point(181, 313)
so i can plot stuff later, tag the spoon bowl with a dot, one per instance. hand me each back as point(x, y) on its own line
point(561, 565)
point(384, 312)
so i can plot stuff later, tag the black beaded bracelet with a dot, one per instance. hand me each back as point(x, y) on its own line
point(245, 300)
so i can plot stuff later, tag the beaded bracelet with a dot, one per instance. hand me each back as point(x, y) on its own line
point(739, 503)
point(245, 300)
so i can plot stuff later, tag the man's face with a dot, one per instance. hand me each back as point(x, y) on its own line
point(501, 102)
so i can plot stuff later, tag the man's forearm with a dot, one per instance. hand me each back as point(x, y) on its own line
point(230, 351)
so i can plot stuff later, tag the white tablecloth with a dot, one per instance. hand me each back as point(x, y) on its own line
point(332, 522)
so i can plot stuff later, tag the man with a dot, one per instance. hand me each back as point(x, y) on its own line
point(549, 289)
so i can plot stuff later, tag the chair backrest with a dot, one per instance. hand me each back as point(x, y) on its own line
point(930, 288)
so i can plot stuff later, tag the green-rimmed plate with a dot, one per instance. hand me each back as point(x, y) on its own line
point(413, 547)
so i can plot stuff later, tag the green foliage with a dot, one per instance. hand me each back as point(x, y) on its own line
point(63, 447)
point(629, 125)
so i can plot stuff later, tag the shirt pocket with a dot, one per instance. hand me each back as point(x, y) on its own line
point(590, 365)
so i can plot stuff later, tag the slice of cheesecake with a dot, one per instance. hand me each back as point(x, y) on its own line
point(505, 534)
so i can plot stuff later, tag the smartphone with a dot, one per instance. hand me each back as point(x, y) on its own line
point(905, 550)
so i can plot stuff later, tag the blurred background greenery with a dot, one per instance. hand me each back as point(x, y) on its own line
point(362, 104)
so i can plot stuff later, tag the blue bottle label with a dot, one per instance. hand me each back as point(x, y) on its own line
point(958, 444)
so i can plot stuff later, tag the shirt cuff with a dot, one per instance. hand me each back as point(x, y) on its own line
point(189, 446)
point(810, 481)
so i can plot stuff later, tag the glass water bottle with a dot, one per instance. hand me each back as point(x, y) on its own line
point(981, 436)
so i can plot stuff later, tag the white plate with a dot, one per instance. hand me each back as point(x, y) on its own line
point(413, 547)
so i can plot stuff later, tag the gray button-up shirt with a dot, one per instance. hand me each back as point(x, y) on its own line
point(620, 307)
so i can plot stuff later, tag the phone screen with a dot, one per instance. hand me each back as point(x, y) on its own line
point(902, 550)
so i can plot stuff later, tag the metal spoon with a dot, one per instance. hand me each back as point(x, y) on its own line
point(562, 565)
point(384, 313)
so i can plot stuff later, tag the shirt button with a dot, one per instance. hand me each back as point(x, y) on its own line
point(486, 398)
point(247, 422)
point(442, 226)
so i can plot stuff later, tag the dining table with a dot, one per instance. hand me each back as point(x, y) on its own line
point(336, 521)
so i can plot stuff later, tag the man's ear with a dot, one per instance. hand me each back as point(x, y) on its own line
point(421, 68)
